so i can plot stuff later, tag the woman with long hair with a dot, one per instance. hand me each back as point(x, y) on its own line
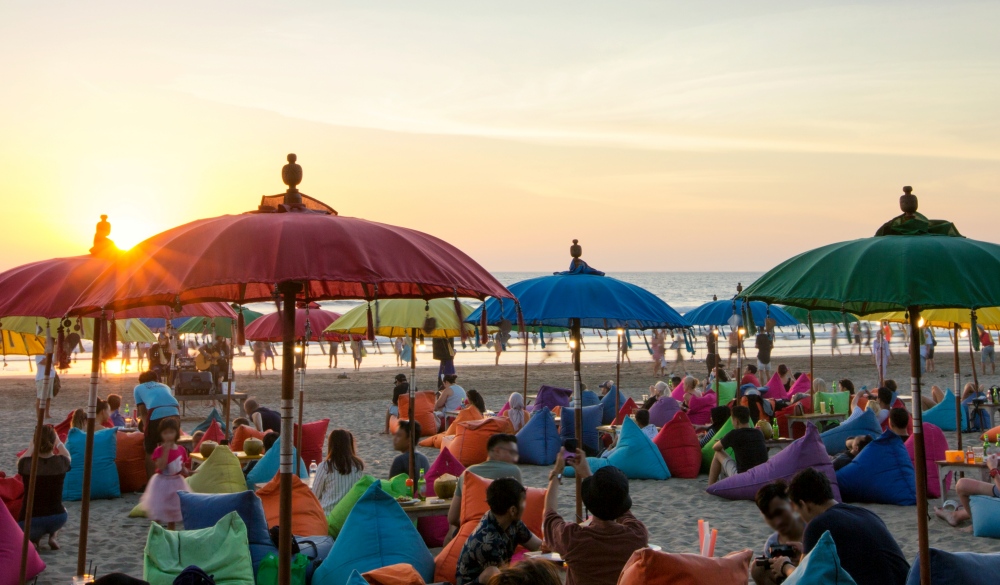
point(340, 471)
point(48, 513)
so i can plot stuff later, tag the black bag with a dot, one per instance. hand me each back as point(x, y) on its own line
point(193, 383)
point(193, 575)
point(274, 533)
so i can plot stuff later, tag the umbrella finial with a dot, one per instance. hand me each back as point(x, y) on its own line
point(908, 202)
point(291, 174)
point(576, 250)
point(739, 287)
point(101, 240)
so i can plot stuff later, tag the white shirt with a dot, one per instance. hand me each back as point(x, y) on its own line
point(40, 370)
point(330, 487)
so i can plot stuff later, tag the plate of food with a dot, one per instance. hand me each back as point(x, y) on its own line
point(407, 501)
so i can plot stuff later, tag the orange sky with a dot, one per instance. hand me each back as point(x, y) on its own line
point(664, 137)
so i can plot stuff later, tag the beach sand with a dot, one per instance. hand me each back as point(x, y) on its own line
point(670, 509)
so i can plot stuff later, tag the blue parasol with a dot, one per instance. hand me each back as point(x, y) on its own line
point(718, 313)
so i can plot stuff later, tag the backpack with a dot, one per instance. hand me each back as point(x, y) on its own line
point(193, 575)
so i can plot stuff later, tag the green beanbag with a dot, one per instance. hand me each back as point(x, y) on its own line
point(221, 473)
point(708, 451)
point(338, 515)
point(727, 391)
point(222, 551)
point(841, 401)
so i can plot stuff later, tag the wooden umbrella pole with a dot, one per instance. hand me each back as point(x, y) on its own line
point(524, 390)
point(958, 393)
point(618, 376)
point(578, 411)
point(919, 457)
point(712, 331)
point(812, 387)
point(412, 394)
point(88, 457)
point(972, 357)
point(227, 405)
point(302, 400)
point(288, 292)
point(29, 498)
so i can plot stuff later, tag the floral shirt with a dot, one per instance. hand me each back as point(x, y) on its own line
point(489, 546)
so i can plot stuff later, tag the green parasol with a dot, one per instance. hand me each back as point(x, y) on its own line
point(827, 317)
point(912, 264)
point(219, 326)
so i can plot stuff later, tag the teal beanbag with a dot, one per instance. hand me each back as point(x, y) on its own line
point(592, 416)
point(881, 474)
point(963, 568)
point(377, 534)
point(821, 566)
point(594, 463)
point(608, 403)
point(357, 579)
point(267, 467)
point(636, 454)
point(985, 516)
point(942, 414)
point(222, 551)
point(538, 441)
point(835, 439)
point(104, 476)
point(214, 415)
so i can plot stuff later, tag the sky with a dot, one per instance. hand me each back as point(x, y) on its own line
point(665, 136)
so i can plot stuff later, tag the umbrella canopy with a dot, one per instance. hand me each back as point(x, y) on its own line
point(946, 318)
point(128, 329)
point(802, 316)
point(718, 313)
point(161, 322)
point(268, 327)
point(398, 317)
point(912, 264)
point(220, 326)
point(14, 343)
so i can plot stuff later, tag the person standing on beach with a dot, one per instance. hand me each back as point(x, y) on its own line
point(764, 345)
point(856, 331)
point(986, 340)
point(155, 403)
point(397, 348)
point(834, 340)
point(929, 343)
point(357, 353)
point(882, 355)
point(734, 347)
point(675, 344)
point(712, 343)
point(332, 355)
point(498, 346)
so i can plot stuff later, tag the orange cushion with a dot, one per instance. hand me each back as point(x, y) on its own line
point(308, 518)
point(469, 446)
point(423, 413)
point(647, 567)
point(313, 436)
point(991, 434)
point(469, 413)
point(401, 574)
point(130, 459)
point(243, 432)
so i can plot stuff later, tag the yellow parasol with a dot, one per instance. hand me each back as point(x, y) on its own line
point(128, 329)
point(945, 318)
point(399, 317)
point(14, 343)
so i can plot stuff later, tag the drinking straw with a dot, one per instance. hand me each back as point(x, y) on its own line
point(705, 540)
point(711, 544)
point(701, 531)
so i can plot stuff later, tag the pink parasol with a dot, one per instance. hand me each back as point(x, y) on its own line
point(268, 327)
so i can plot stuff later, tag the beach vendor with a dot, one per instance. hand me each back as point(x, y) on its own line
point(747, 443)
point(48, 515)
point(501, 461)
point(444, 353)
point(400, 387)
point(774, 505)
point(264, 419)
point(968, 487)
point(155, 403)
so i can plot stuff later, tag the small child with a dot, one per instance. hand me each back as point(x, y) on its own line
point(115, 402)
point(240, 422)
point(160, 500)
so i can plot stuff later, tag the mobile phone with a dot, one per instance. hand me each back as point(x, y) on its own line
point(570, 446)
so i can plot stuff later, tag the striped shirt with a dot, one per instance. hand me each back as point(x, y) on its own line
point(331, 486)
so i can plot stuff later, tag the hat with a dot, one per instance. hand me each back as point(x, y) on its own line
point(607, 384)
point(605, 493)
point(400, 377)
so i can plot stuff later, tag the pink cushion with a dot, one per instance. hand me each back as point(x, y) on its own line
point(10, 551)
point(700, 408)
point(313, 437)
point(775, 389)
point(678, 392)
point(433, 529)
point(935, 444)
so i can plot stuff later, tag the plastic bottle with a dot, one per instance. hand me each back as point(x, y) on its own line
point(128, 418)
point(312, 468)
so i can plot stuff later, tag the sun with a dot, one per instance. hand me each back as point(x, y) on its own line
point(126, 231)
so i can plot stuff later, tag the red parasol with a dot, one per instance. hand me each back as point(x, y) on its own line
point(291, 248)
point(268, 327)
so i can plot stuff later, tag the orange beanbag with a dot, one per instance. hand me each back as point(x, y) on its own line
point(648, 567)
point(130, 459)
point(991, 434)
point(308, 518)
point(401, 574)
point(423, 411)
point(469, 446)
point(313, 436)
point(468, 413)
point(243, 432)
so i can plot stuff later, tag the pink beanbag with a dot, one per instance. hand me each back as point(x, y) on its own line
point(935, 444)
point(775, 389)
point(10, 551)
point(700, 408)
point(433, 529)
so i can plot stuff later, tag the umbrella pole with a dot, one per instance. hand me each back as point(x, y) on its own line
point(975, 373)
point(412, 393)
point(29, 497)
point(812, 388)
point(302, 399)
point(288, 292)
point(226, 406)
point(618, 376)
point(88, 458)
point(524, 391)
point(958, 393)
point(919, 456)
point(578, 411)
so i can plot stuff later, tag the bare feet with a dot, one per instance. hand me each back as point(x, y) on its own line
point(52, 543)
point(952, 518)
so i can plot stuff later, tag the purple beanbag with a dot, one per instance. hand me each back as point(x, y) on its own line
point(551, 397)
point(935, 444)
point(808, 451)
point(663, 411)
point(700, 408)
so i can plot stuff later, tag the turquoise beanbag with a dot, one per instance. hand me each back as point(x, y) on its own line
point(104, 474)
point(594, 463)
point(538, 441)
point(267, 467)
point(881, 474)
point(214, 415)
point(591, 420)
point(206, 510)
point(964, 568)
point(821, 566)
point(835, 439)
point(357, 579)
point(377, 534)
point(636, 454)
point(985, 516)
point(942, 414)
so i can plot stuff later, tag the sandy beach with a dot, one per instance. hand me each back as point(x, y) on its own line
point(670, 508)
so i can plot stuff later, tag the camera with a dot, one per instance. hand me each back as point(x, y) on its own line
point(778, 550)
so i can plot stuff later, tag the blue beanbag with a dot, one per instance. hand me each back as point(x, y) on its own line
point(590, 398)
point(983, 420)
point(538, 441)
point(205, 511)
point(104, 475)
point(267, 467)
point(636, 454)
point(835, 439)
point(214, 415)
point(963, 568)
point(942, 414)
point(376, 534)
point(608, 402)
point(881, 474)
point(821, 566)
point(357, 579)
point(591, 420)
point(985, 516)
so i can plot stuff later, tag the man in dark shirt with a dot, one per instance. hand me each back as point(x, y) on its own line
point(899, 423)
point(764, 346)
point(401, 387)
point(867, 550)
point(264, 419)
point(401, 443)
point(747, 443)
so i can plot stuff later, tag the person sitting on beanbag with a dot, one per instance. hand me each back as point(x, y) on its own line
point(968, 487)
point(773, 503)
point(720, 414)
point(854, 446)
point(642, 420)
point(899, 421)
point(501, 530)
point(655, 392)
point(747, 443)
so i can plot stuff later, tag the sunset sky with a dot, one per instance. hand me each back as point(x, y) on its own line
point(663, 135)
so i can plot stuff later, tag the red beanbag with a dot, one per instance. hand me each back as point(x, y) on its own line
point(313, 435)
point(798, 429)
point(130, 459)
point(679, 446)
point(12, 493)
point(628, 408)
point(649, 567)
point(214, 433)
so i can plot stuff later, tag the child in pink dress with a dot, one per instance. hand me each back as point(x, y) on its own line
point(160, 500)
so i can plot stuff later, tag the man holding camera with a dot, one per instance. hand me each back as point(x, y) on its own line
point(786, 541)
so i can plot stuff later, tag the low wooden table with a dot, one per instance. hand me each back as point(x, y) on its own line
point(816, 418)
point(426, 508)
point(197, 458)
point(238, 398)
point(779, 443)
point(946, 467)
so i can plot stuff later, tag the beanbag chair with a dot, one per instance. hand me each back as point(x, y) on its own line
point(608, 402)
point(377, 534)
point(338, 515)
point(628, 407)
point(636, 455)
point(594, 463)
point(214, 433)
point(841, 401)
point(267, 467)
point(821, 566)
point(708, 451)
point(206, 510)
point(434, 528)
point(649, 567)
point(679, 447)
point(591, 420)
point(991, 435)
point(308, 518)
point(130, 459)
point(11, 537)
point(782, 415)
point(538, 441)
point(935, 444)
point(401, 574)
point(467, 414)
point(11, 493)
point(942, 414)
point(727, 392)
point(550, 397)
point(313, 436)
point(700, 408)
point(590, 398)
point(801, 385)
point(972, 420)
point(775, 389)
point(469, 446)
point(213, 415)
point(803, 453)
point(963, 568)
point(219, 474)
point(835, 439)
point(62, 429)
point(423, 413)
point(881, 474)
point(985, 516)
point(104, 475)
point(663, 410)
point(221, 551)
point(242, 433)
